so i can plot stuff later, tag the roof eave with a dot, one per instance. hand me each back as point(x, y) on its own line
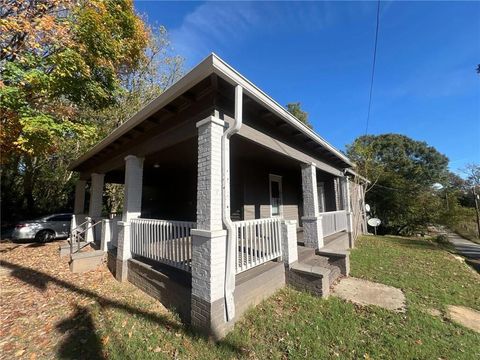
point(231, 75)
point(211, 64)
point(194, 76)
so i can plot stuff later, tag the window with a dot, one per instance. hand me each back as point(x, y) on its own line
point(60, 218)
point(275, 195)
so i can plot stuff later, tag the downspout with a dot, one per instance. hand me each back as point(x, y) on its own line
point(227, 221)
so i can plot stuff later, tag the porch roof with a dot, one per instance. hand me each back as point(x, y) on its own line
point(212, 65)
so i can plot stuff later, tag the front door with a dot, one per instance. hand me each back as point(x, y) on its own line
point(275, 195)
point(321, 197)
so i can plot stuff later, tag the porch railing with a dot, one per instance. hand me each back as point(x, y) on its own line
point(258, 241)
point(165, 241)
point(334, 222)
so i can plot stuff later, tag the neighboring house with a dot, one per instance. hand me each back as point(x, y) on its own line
point(221, 184)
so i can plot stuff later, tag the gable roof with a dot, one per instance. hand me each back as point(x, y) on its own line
point(212, 64)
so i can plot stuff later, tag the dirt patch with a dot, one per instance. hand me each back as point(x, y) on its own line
point(365, 292)
point(464, 316)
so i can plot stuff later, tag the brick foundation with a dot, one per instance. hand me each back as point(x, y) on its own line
point(169, 286)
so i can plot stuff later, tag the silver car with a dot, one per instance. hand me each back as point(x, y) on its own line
point(43, 229)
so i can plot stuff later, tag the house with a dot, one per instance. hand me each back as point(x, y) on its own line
point(227, 198)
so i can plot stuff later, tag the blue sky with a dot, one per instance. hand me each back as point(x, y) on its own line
point(320, 54)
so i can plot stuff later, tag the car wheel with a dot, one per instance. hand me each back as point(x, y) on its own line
point(44, 236)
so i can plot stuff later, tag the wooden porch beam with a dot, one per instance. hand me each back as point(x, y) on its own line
point(279, 146)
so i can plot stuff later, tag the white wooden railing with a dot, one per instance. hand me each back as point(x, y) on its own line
point(165, 241)
point(334, 222)
point(258, 241)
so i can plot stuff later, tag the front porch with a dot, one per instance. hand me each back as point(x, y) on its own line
point(209, 225)
point(173, 260)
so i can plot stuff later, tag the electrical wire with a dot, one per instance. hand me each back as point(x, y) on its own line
point(373, 67)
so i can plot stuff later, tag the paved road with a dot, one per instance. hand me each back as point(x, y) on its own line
point(467, 249)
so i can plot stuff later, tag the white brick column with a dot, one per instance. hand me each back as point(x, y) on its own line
point(106, 234)
point(209, 238)
point(337, 191)
point(289, 242)
point(132, 208)
point(96, 206)
point(79, 205)
point(312, 222)
point(96, 196)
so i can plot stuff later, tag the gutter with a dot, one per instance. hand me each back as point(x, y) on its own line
point(229, 285)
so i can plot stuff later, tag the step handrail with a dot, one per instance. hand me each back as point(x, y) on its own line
point(79, 233)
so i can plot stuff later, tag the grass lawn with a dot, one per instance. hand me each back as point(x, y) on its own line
point(292, 324)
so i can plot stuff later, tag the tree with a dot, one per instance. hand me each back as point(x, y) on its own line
point(62, 61)
point(402, 172)
point(296, 110)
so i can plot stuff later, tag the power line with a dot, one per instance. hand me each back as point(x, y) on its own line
point(373, 67)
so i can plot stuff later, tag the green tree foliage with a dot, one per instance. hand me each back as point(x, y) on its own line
point(402, 172)
point(65, 68)
point(296, 110)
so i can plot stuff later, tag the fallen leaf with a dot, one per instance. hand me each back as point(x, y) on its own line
point(20, 352)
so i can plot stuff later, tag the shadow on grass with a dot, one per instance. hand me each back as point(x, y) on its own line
point(40, 280)
point(81, 342)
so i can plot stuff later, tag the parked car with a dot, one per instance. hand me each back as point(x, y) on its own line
point(43, 229)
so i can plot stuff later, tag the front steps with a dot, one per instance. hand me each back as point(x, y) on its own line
point(86, 260)
point(315, 272)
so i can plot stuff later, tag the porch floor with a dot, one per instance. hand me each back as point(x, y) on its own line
point(337, 241)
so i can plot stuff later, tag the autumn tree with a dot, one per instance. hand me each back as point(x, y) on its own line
point(60, 62)
point(296, 110)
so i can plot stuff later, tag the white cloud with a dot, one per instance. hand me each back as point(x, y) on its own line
point(212, 25)
point(220, 26)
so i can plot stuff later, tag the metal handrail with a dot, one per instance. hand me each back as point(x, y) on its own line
point(76, 234)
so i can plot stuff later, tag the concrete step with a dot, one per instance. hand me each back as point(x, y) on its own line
point(65, 248)
point(305, 253)
point(322, 261)
point(86, 260)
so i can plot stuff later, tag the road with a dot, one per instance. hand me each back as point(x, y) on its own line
point(466, 248)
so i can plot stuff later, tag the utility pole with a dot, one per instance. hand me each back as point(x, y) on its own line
point(475, 196)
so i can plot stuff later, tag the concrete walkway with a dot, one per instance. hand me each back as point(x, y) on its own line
point(365, 292)
point(466, 248)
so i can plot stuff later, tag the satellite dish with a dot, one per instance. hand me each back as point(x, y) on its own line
point(374, 222)
point(367, 208)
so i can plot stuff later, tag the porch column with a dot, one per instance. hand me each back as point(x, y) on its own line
point(96, 196)
point(312, 221)
point(337, 192)
point(348, 207)
point(132, 208)
point(95, 207)
point(289, 242)
point(79, 205)
point(209, 237)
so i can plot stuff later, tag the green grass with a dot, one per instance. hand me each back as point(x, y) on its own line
point(296, 325)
